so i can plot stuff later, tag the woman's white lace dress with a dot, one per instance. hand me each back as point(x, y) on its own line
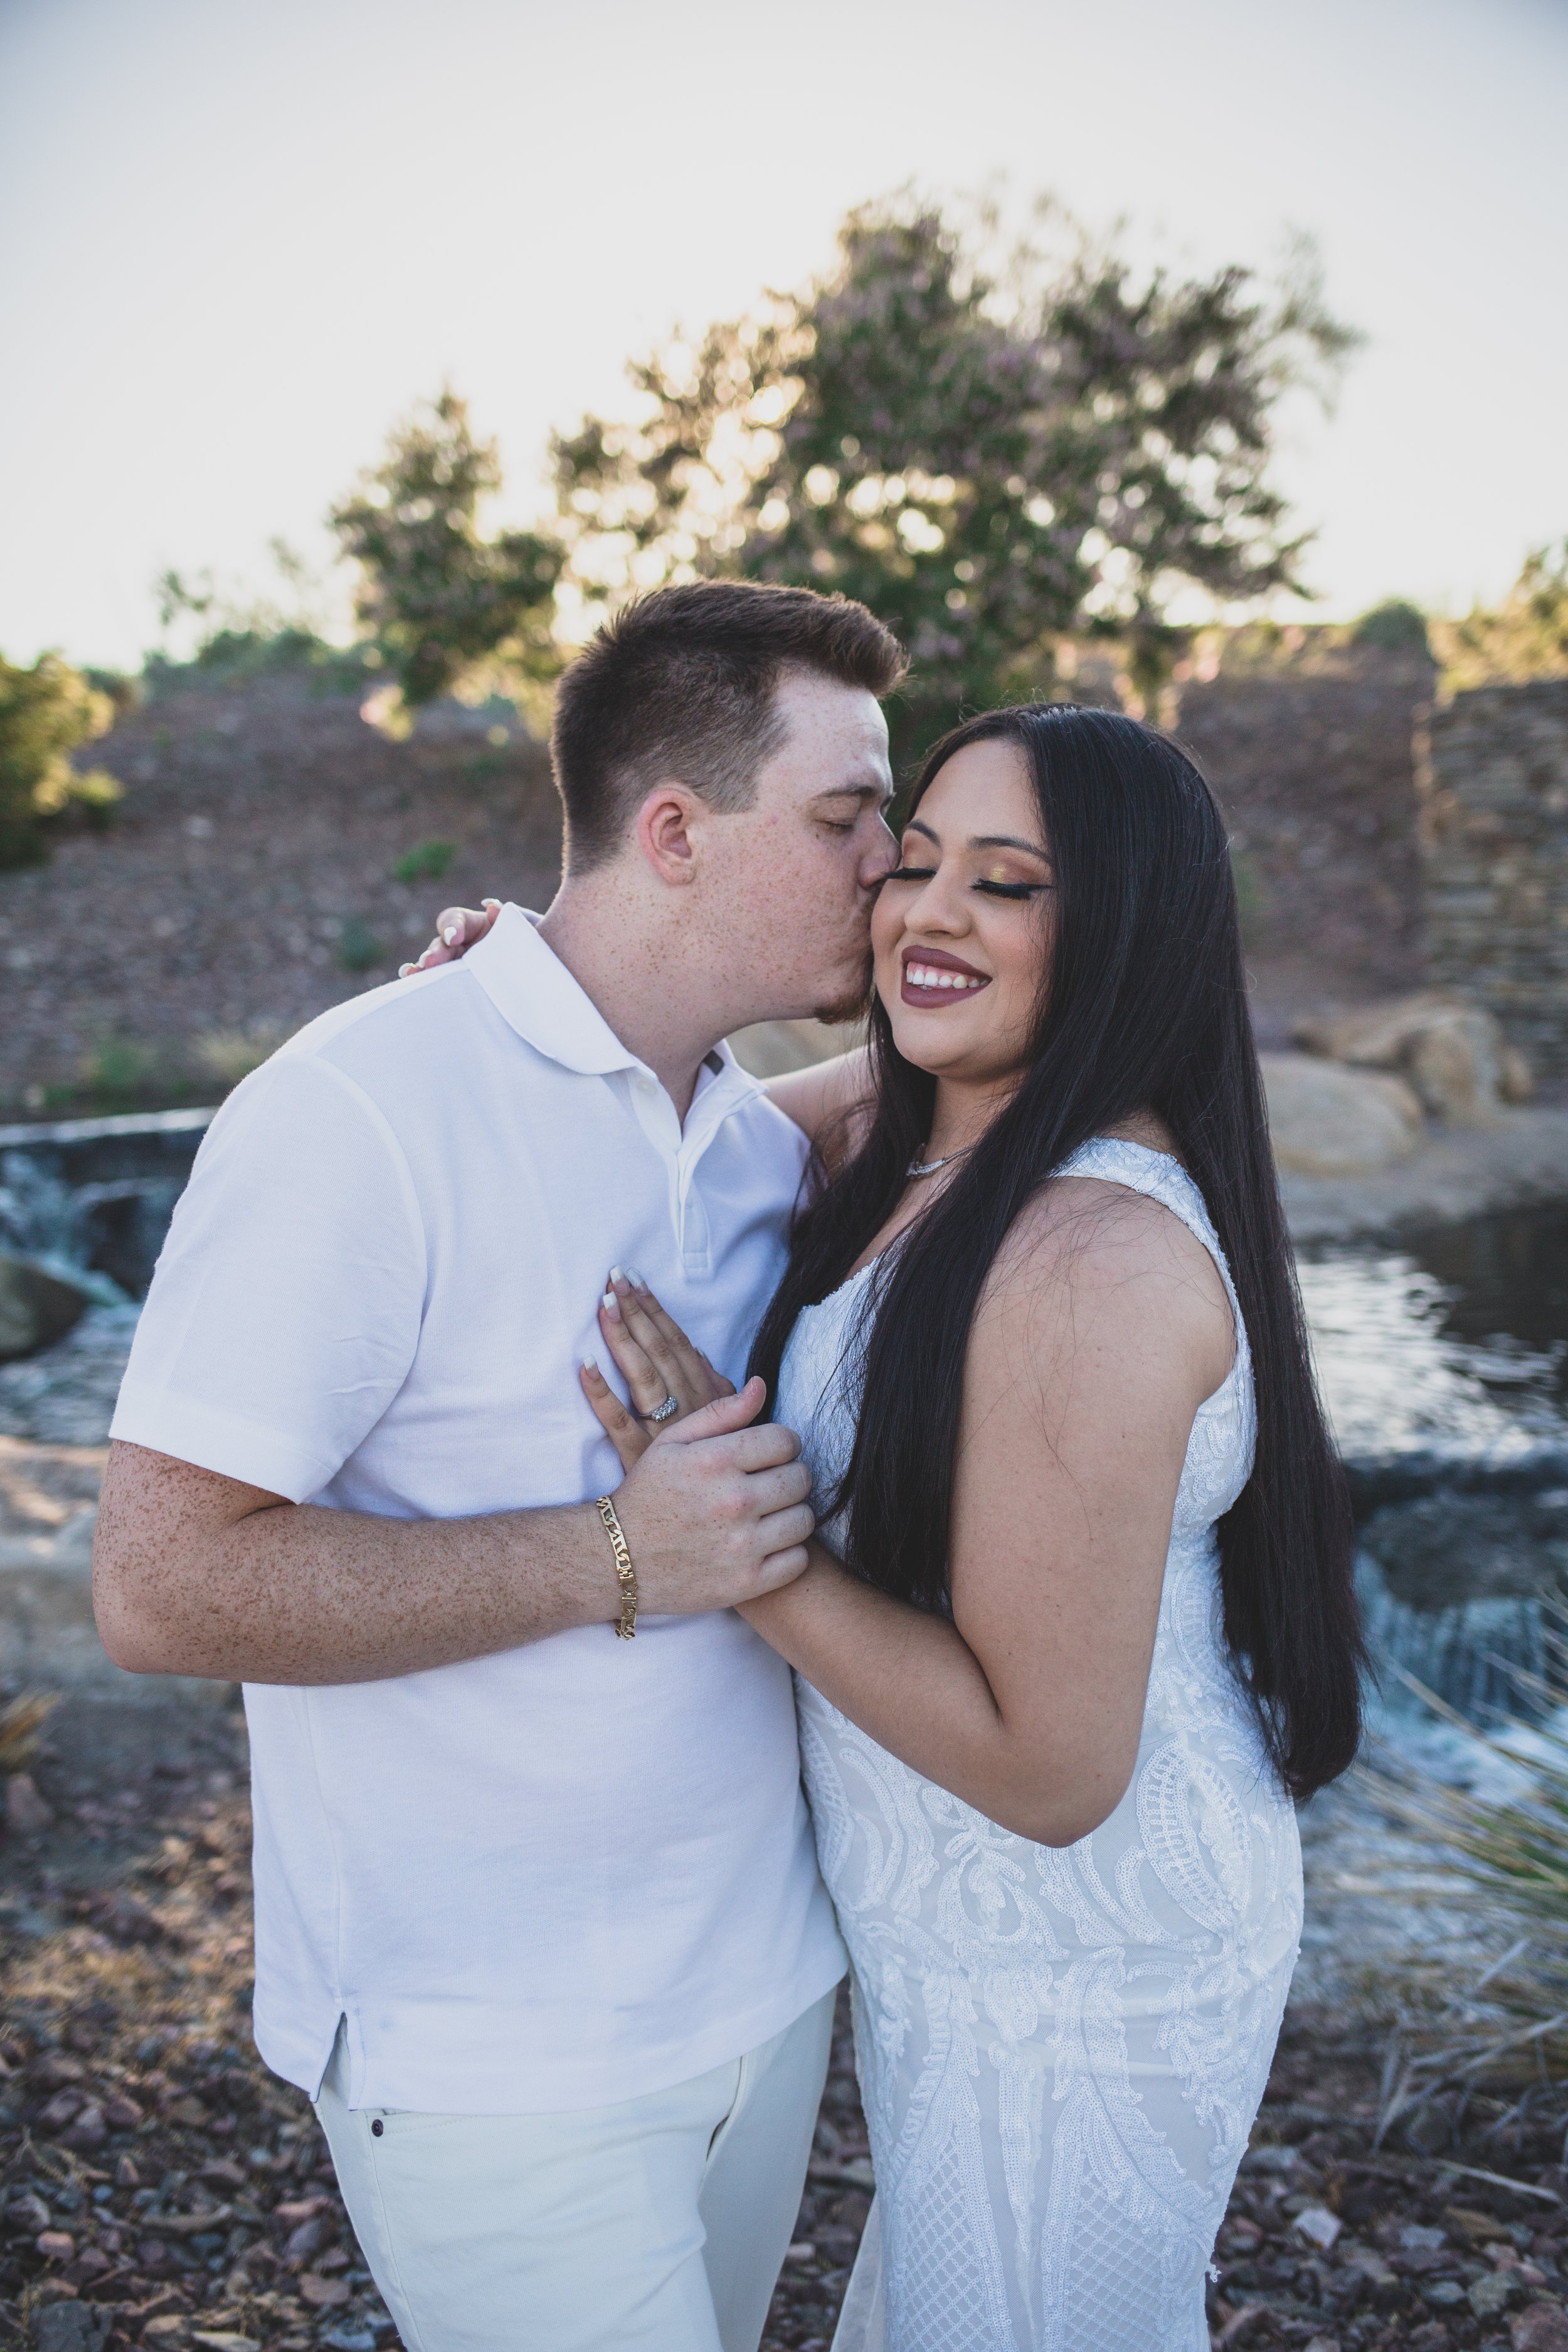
point(1060, 2052)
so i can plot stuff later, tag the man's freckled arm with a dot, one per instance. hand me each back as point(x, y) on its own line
point(196, 1573)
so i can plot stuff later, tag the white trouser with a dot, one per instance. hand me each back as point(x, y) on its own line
point(658, 2225)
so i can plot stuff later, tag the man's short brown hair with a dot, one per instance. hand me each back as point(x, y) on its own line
point(681, 685)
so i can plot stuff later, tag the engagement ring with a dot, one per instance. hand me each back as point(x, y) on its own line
point(670, 1406)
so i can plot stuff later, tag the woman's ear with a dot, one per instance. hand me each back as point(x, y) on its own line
point(667, 822)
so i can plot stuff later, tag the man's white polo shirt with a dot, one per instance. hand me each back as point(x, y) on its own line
point(572, 1873)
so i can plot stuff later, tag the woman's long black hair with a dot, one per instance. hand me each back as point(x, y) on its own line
point(1144, 1008)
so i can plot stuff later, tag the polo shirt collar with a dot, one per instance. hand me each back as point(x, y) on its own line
point(535, 994)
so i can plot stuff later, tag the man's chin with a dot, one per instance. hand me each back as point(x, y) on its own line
point(853, 1003)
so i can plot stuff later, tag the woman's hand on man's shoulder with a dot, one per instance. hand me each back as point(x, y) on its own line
point(458, 929)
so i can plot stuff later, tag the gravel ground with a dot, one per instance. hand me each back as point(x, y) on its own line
point(152, 2172)
point(157, 2180)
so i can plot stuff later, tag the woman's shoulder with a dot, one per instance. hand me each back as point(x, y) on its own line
point(1093, 1251)
point(832, 1102)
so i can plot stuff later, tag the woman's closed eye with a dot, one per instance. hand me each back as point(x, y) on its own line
point(992, 885)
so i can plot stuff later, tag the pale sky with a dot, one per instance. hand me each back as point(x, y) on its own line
point(237, 238)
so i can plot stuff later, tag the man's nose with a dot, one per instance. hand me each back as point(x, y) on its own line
point(879, 860)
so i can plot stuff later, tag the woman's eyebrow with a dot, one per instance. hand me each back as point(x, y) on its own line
point(1009, 841)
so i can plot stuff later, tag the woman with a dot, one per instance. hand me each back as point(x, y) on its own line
point(1079, 1623)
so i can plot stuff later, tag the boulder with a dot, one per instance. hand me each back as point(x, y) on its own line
point(1453, 1053)
point(1327, 1120)
point(36, 1307)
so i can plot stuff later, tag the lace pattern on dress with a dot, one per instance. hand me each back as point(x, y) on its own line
point(1061, 2052)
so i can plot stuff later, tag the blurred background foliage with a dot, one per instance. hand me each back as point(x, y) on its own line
point(996, 455)
point(1049, 469)
point(450, 610)
point(47, 712)
point(1526, 638)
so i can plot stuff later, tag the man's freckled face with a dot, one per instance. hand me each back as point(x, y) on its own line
point(804, 862)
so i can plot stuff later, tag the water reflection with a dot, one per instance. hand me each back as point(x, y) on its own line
point(1456, 1345)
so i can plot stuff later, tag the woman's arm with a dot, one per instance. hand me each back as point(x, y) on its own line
point(825, 1098)
point(1103, 1330)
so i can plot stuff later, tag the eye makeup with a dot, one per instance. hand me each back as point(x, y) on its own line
point(997, 884)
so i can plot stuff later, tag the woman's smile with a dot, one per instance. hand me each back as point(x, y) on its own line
point(933, 979)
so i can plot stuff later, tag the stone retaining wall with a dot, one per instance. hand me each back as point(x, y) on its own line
point(1492, 789)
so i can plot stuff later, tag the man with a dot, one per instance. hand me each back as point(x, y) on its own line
point(538, 1920)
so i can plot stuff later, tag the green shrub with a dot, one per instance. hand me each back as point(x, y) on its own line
point(120, 1066)
point(427, 862)
point(359, 950)
point(1397, 626)
point(45, 713)
point(230, 1055)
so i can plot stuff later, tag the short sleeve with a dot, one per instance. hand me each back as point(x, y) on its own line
point(285, 1309)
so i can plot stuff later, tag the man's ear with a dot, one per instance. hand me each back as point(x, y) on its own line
point(668, 823)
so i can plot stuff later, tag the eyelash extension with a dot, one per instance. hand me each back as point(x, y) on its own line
point(994, 889)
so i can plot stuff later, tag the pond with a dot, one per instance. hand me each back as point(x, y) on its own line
point(1453, 1346)
point(1443, 1360)
point(1444, 1365)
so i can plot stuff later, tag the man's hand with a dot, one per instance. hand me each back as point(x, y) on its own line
point(715, 1513)
point(198, 1574)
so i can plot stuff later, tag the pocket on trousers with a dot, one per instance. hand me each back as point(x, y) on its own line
point(405, 2123)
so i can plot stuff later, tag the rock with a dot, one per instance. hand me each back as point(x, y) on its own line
point(26, 1811)
point(1327, 1120)
point(323, 2294)
point(122, 2114)
point(52, 2071)
point(36, 1308)
point(55, 2245)
point(1489, 2296)
point(72, 2327)
point(1516, 1079)
point(1453, 1053)
point(1316, 2222)
point(310, 2238)
point(1542, 2327)
point(298, 2209)
point(89, 2132)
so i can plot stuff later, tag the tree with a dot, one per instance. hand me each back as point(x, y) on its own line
point(994, 460)
point(448, 607)
point(45, 713)
point(1525, 638)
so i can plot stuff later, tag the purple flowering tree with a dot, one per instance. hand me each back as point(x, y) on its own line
point(994, 461)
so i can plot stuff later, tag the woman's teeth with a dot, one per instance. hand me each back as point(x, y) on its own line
point(925, 975)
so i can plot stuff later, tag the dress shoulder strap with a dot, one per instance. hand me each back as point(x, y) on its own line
point(1115, 1160)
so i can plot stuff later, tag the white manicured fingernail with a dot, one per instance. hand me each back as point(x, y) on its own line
point(451, 935)
point(590, 1363)
point(611, 1304)
point(404, 970)
point(634, 1277)
point(615, 1274)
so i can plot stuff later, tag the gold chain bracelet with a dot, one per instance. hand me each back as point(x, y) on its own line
point(626, 1625)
